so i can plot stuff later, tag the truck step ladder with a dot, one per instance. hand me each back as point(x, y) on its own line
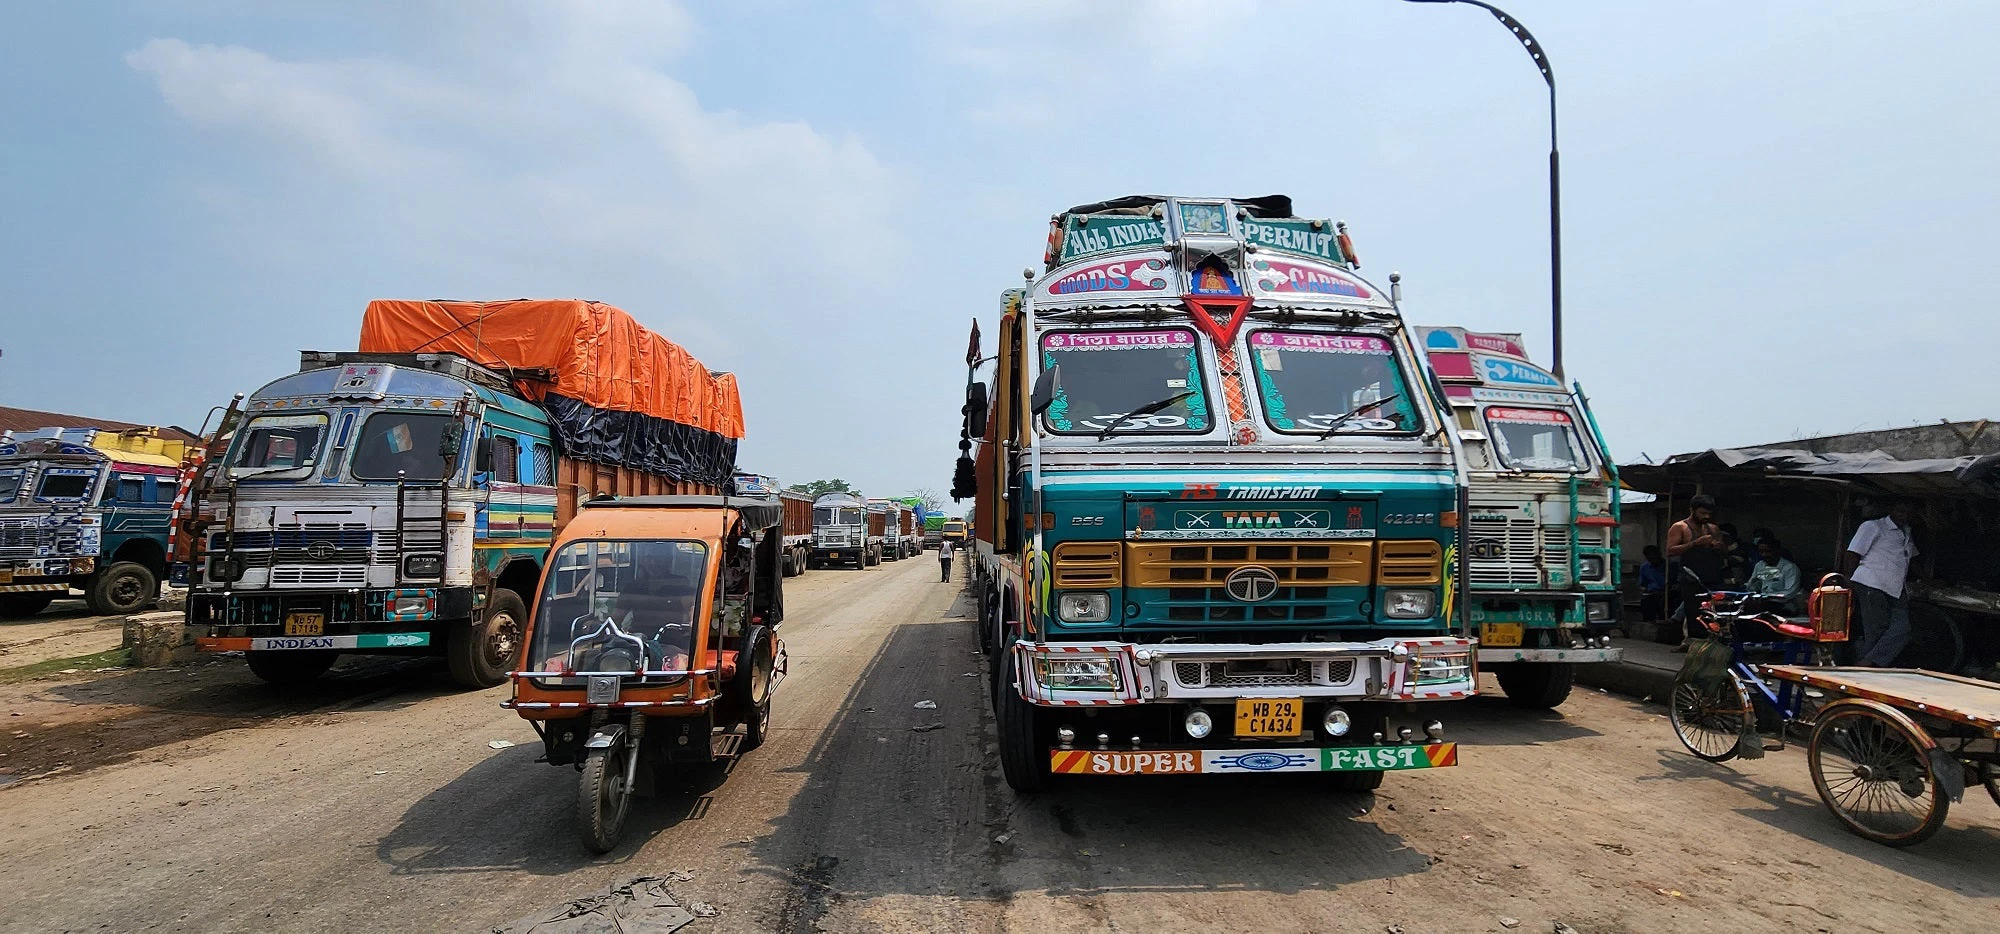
point(418, 530)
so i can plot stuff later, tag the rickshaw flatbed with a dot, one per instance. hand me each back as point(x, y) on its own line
point(1967, 701)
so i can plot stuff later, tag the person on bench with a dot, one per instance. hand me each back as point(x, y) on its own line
point(1776, 576)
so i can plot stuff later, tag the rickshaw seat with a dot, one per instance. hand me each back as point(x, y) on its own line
point(723, 662)
point(1796, 630)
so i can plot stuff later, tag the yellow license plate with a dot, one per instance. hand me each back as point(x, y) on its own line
point(833, 554)
point(1269, 716)
point(305, 624)
point(1500, 635)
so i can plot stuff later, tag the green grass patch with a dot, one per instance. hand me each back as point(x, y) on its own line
point(120, 657)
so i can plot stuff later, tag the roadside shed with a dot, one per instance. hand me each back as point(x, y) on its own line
point(1812, 493)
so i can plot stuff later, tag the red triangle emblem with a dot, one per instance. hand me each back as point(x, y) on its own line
point(1204, 310)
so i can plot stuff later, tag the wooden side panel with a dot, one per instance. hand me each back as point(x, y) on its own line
point(579, 481)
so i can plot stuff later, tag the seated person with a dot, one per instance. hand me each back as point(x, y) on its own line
point(1776, 576)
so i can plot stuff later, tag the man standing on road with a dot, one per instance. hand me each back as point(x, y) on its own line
point(1696, 542)
point(944, 559)
point(1877, 562)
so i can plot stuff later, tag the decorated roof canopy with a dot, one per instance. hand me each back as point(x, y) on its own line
point(1215, 259)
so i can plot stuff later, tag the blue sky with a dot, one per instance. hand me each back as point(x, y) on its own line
point(1778, 216)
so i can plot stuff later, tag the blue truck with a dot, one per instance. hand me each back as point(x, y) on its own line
point(86, 509)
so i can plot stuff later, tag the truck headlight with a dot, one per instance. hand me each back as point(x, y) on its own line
point(1440, 669)
point(1087, 606)
point(1591, 567)
point(412, 605)
point(1408, 604)
point(225, 568)
point(1597, 611)
point(428, 566)
point(1077, 674)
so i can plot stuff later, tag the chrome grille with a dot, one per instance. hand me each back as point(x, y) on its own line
point(1287, 673)
point(1519, 540)
point(318, 575)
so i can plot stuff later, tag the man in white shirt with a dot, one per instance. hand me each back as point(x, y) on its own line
point(1877, 563)
point(944, 559)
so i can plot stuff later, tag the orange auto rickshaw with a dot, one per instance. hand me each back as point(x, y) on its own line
point(653, 645)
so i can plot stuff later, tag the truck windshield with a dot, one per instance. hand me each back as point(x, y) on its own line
point(619, 606)
point(837, 515)
point(401, 441)
point(1106, 374)
point(1309, 379)
point(10, 483)
point(65, 484)
point(1535, 439)
point(280, 442)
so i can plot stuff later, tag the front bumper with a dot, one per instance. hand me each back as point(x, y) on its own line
point(1550, 656)
point(1382, 670)
point(1238, 760)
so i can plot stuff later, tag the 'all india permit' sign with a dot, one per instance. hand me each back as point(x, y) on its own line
point(1088, 235)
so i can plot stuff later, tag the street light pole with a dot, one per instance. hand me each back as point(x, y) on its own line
point(1541, 58)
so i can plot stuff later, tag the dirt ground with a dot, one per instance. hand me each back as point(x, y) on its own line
point(195, 799)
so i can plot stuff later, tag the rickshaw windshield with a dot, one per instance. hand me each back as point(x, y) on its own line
point(619, 606)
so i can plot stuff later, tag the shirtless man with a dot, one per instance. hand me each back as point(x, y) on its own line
point(1697, 542)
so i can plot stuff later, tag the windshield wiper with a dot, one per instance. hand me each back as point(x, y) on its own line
point(1385, 400)
point(1147, 409)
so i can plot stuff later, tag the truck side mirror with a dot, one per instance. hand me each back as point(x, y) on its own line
point(1046, 387)
point(975, 410)
point(482, 460)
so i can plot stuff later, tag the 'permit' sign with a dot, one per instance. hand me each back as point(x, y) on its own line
point(1306, 238)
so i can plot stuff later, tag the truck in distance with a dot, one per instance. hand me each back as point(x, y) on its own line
point(1541, 523)
point(840, 533)
point(86, 508)
point(795, 531)
point(1215, 505)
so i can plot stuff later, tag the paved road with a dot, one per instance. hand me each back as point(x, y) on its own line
point(203, 802)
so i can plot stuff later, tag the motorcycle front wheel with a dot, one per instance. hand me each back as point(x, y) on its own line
point(604, 795)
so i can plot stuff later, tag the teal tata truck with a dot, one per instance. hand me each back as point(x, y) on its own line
point(1216, 505)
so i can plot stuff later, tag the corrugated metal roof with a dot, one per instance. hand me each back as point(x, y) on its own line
point(12, 419)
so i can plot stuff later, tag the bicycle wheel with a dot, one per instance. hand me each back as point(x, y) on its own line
point(1709, 719)
point(1873, 774)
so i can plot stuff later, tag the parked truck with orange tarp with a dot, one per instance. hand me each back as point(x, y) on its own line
point(401, 499)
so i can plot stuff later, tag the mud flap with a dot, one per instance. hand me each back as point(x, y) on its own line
point(1950, 774)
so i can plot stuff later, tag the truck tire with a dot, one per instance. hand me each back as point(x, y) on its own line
point(1535, 686)
point(24, 605)
point(290, 669)
point(124, 587)
point(481, 653)
point(1023, 759)
point(1355, 782)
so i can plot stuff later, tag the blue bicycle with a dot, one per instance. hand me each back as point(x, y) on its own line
point(1717, 694)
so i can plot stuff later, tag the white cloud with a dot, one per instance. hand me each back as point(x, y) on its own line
point(570, 125)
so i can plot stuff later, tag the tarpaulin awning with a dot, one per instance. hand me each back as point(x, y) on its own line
point(1876, 470)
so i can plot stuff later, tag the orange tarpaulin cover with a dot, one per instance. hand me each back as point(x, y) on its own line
point(600, 356)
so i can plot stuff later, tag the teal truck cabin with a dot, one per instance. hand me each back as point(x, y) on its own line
point(88, 509)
